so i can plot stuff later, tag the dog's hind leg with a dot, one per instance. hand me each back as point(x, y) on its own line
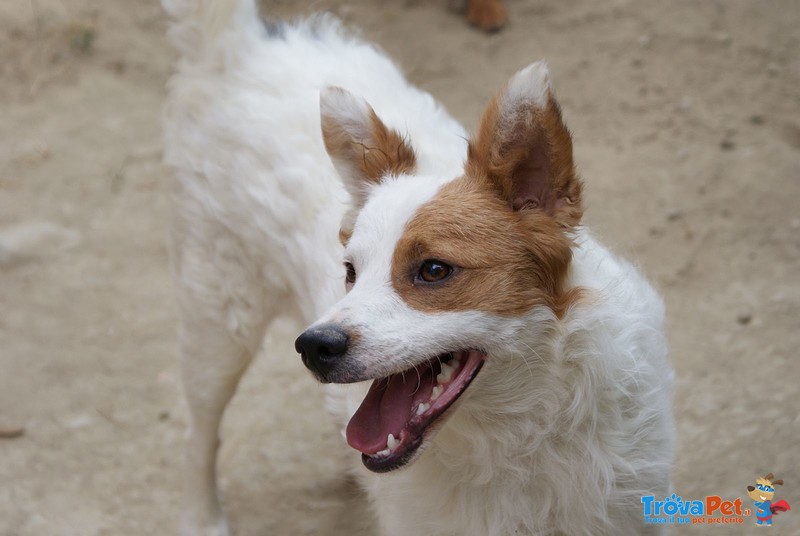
point(224, 311)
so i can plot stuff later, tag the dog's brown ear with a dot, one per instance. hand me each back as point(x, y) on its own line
point(362, 148)
point(769, 477)
point(778, 482)
point(750, 488)
point(524, 149)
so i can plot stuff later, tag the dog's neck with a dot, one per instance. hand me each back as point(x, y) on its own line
point(524, 399)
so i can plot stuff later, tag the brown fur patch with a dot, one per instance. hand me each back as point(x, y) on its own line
point(507, 262)
point(504, 226)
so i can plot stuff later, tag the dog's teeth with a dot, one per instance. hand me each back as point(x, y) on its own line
point(436, 392)
point(423, 408)
point(391, 442)
point(384, 452)
point(446, 374)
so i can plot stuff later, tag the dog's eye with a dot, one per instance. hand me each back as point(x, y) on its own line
point(432, 271)
point(350, 278)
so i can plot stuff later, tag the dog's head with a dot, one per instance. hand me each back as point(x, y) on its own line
point(443, 273)
point(764, 490)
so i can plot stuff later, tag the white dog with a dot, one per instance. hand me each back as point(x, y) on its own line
point(519, 374)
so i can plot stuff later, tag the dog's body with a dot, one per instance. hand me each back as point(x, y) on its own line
point(568, 423)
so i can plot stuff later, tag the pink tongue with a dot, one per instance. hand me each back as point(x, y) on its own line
point(385, 410)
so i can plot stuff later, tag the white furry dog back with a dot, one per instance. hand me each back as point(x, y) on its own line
point(509, 374)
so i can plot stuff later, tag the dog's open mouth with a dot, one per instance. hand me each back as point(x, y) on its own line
point(392, 421)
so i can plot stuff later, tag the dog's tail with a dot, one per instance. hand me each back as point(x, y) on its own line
point(199, 24)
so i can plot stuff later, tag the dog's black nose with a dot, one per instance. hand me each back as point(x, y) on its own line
point(322, 348)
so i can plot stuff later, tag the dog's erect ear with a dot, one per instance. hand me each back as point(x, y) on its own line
point(362, 148)
point(524, 149)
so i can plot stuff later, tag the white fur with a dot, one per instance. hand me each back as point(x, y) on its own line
point(352, 114)
point(530, 85)
point(568, 423)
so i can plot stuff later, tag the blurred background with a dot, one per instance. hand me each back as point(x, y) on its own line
point(686, 121)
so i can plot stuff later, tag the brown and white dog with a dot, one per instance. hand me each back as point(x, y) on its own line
point(507, 374)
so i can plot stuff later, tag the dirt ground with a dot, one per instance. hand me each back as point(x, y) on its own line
point(686, 118)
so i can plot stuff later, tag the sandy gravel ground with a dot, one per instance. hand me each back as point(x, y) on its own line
point(686, 117)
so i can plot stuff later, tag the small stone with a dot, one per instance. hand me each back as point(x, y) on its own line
point(756, 119)
point(164, 416)
point(81, 421)
point(779, 297)
point(744, 317)
point(727, 145)
point(34, 240)
point(118, 66)
point(11, 431)
point(674, 214)
point(722, 37)
point(773, 68)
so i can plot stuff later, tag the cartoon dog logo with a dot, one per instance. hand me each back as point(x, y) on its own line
point(762, 494)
